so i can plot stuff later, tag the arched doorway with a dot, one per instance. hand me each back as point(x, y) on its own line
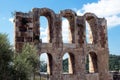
point(91, 63)
point(50, 16)
point(45, 63)
point(70, 16)
point(68, 63)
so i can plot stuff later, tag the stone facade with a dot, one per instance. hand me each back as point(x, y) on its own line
point(27, 29)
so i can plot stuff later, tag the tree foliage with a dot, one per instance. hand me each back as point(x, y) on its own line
point(43, 66)
point(5, 58)
point(65, 65)
point(26, 62)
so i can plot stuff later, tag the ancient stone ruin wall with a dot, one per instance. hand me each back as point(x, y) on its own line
point(27, 29)
point(23, 29)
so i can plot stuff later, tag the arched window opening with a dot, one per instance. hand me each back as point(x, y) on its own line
point(66, 33)
point(89, 36)
point(44, 29)
point(67, 64)
point(45, 63)
point(91, 63)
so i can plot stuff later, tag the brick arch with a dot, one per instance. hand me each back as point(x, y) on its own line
point(50, 15)
point(50, 62)
point(70, 15)
point(93, 22)
point(71, 62)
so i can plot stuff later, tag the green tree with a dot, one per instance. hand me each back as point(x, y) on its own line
point(22, 68)
point(43, 66)
point(65, 65)
point(5, 58)
point(29, 59)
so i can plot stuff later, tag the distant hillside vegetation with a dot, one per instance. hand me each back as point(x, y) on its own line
point(114, 62)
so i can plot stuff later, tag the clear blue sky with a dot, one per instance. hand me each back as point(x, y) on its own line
point(99, 7)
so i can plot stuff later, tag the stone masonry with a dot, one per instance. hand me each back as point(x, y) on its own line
point(27, 29)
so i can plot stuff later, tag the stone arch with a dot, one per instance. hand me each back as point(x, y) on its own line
point(93, 22)
point(50, 15)
point(92, 62)
point(70, 15)
point(49, 63)
point(71, 62)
